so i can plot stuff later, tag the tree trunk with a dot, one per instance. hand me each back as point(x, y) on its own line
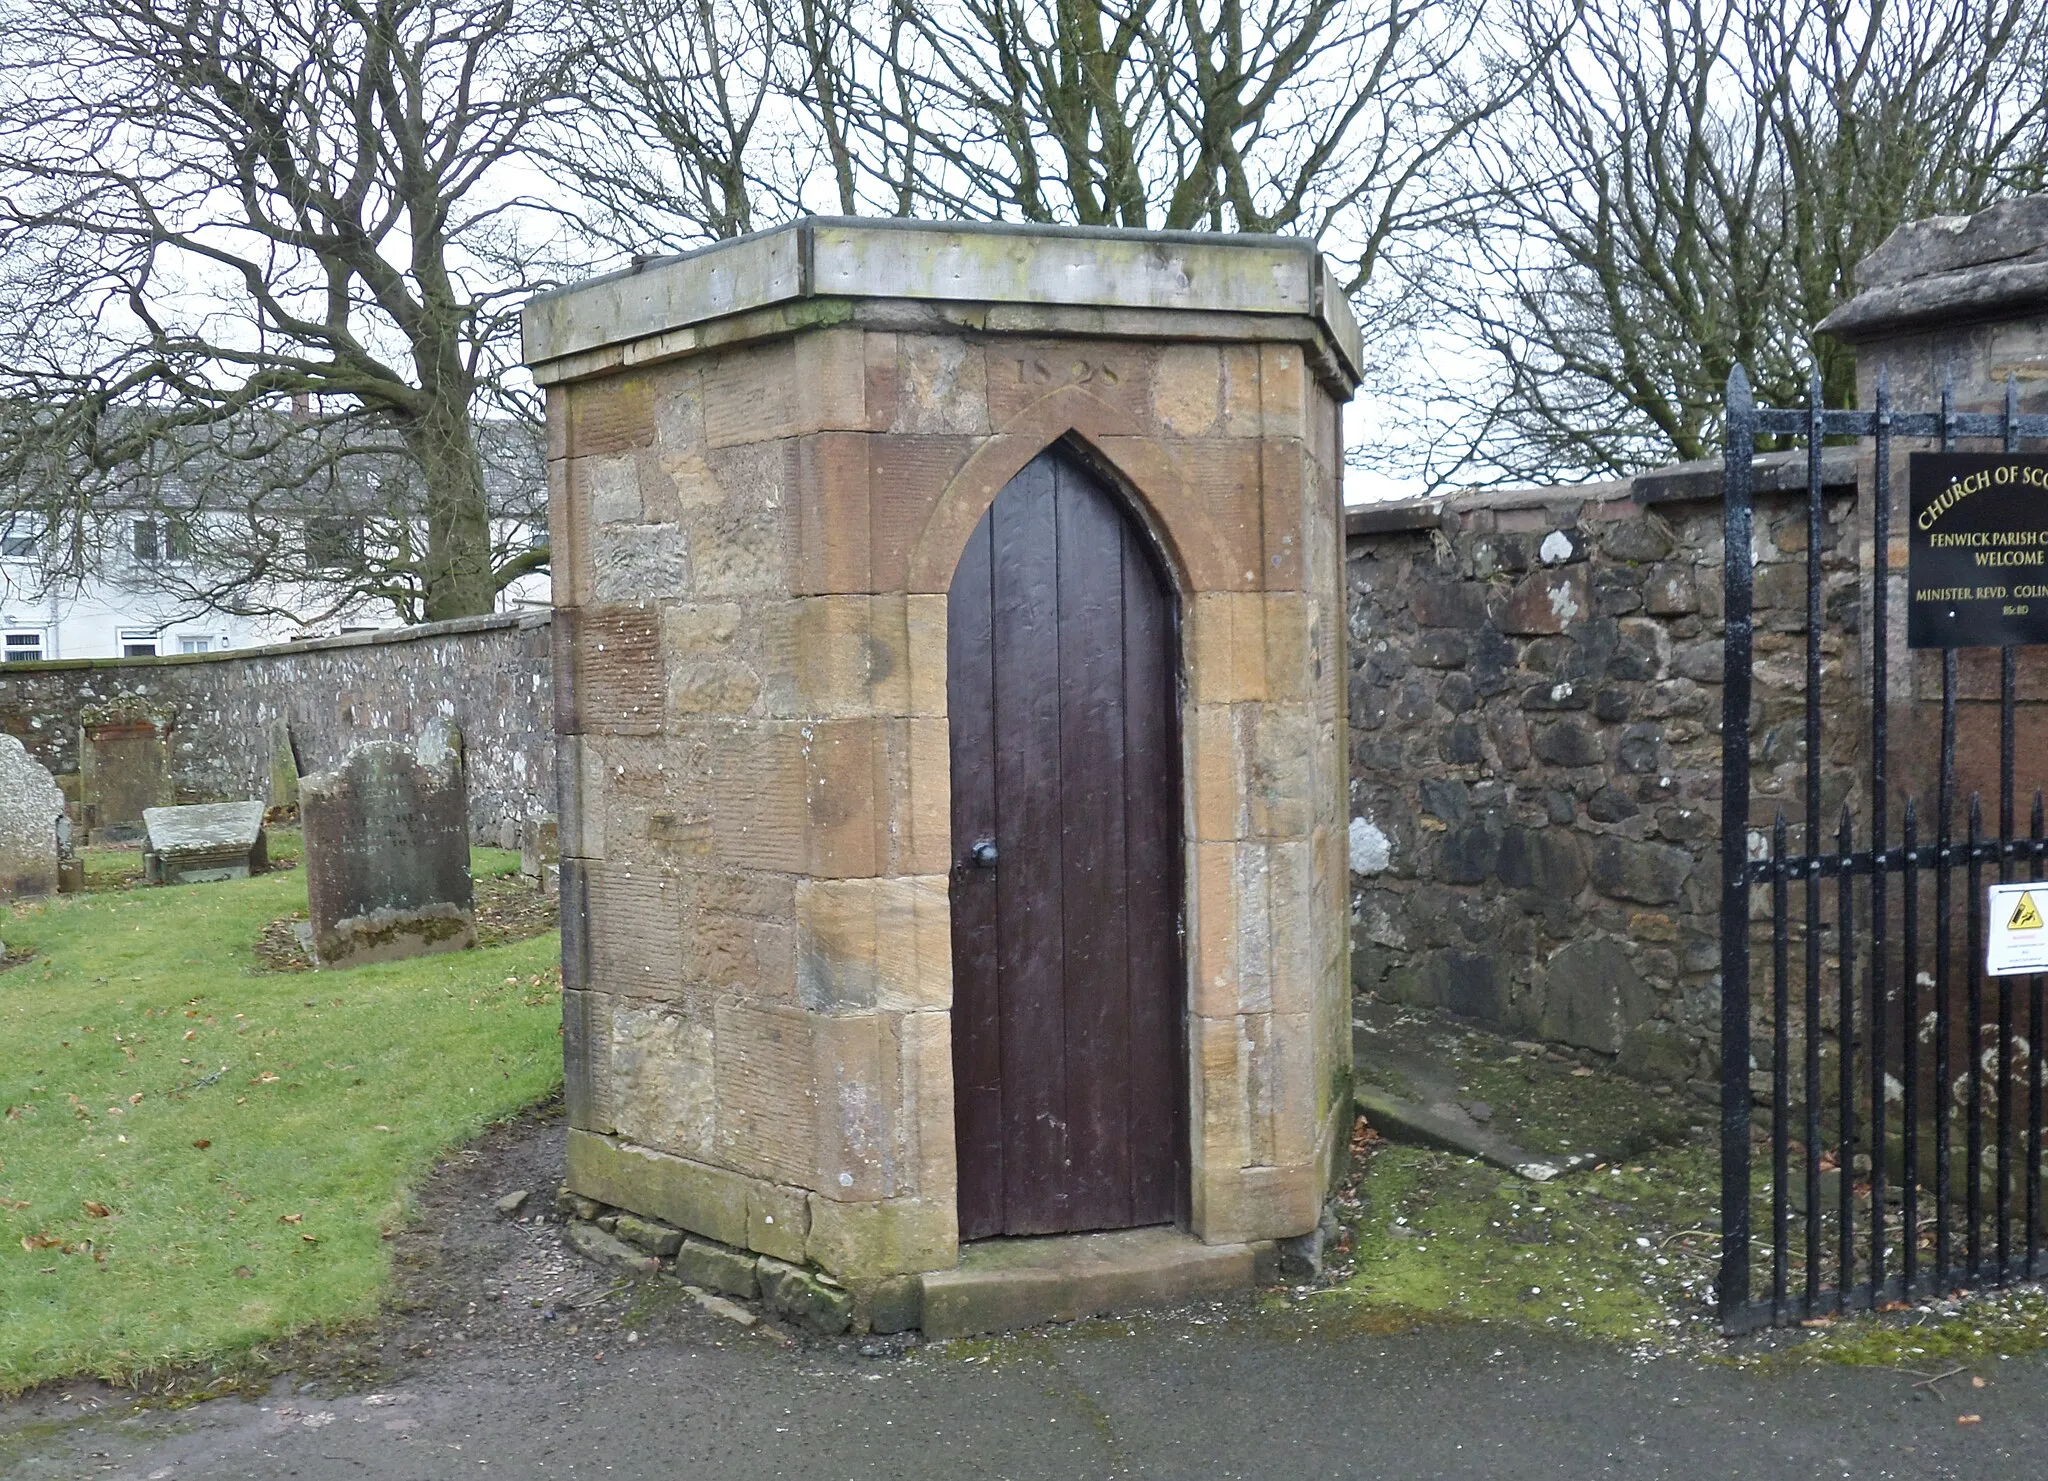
point(456, 574)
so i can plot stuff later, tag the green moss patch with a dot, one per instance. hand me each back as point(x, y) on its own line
point(1617, 1251)
point(1924, 1337)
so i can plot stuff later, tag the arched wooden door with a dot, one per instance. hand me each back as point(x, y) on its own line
point(1066, 880)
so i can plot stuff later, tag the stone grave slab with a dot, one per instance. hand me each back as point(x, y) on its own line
point(387, 854)
point(31, 810)
point(204, 842)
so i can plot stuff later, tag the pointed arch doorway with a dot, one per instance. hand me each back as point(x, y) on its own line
point(1062, 696)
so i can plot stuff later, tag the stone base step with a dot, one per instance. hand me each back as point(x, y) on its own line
point(1001, 1284)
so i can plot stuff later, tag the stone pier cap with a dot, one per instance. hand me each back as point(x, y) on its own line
point(1944, 271)
point(1050, 278)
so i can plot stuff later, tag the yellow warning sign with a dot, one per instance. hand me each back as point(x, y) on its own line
point(2016, 929)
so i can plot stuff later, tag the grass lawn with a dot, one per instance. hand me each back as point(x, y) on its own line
point(198, 1154)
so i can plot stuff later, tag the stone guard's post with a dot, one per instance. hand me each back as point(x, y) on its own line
point(765, 461)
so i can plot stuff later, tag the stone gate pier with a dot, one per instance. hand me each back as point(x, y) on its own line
point(767, 459)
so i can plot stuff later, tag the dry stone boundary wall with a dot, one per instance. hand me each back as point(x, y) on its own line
point(489, 676)
point(1535, 751)
point(1535, 764)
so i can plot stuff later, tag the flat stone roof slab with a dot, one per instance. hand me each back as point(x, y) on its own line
point(961, 262)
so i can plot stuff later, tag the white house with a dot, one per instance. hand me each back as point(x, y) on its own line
point(145, 592)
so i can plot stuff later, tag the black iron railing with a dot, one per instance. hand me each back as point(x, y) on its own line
point(1888, 1230)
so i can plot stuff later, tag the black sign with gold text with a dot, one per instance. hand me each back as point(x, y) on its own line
point(1977, 550)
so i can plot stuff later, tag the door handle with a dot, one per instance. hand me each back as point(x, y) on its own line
point(983, 854)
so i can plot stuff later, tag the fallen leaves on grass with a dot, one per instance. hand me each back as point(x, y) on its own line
point(97, 1210)
point(203, 1143)
point(291, 1218)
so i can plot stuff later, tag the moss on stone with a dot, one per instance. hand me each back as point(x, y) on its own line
point(1616, 1252)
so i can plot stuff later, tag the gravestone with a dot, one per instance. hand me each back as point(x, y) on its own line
point(124, 766)
point(31, 808)
point(387, 854)
point(540, 855)
point(284, 768)
point(203, 843)
point(70, 868)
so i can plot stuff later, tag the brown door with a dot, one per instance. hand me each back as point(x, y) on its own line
point(1066, 864)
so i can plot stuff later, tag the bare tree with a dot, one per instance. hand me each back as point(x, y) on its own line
point(1331, 118)
point(211, 208)
point(1690, 186)
point(677, 134)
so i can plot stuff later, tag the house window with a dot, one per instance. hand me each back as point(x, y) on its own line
point(195, 645)
point(154, 541)
point(23, 647)
point(137, 642)
point(17, 539)
point(333, 544)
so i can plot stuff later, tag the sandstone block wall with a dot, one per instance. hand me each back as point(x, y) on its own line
point(1535, 766)
point(753, 547)
point(490, 676)
point(1974, 358)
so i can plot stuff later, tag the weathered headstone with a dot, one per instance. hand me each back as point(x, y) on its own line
point(540, 856)
point(387, 854)
point(31, 806)
point(124, 766)
point(205, 842)
point(70, 868)
point(284, 768)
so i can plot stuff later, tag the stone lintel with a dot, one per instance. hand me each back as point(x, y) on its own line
point(671, 301)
